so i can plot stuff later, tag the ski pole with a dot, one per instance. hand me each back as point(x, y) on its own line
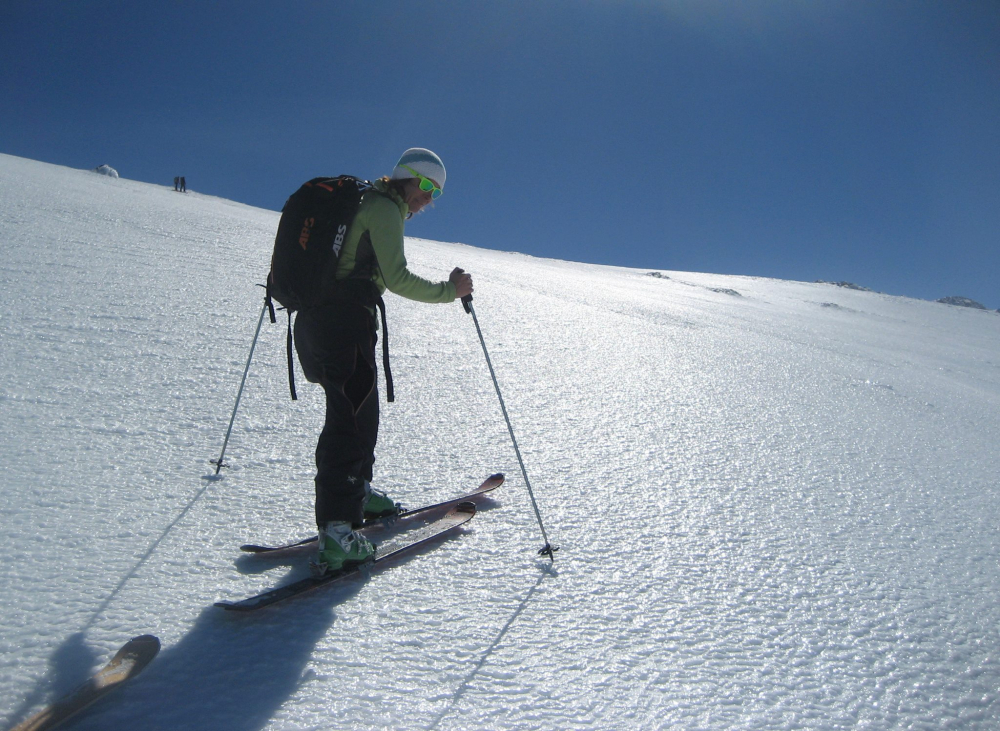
point(219, 464)
point(548, 549)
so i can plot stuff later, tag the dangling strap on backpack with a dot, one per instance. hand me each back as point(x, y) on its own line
point(291, 365)
point(288, 339)
point(390, 395)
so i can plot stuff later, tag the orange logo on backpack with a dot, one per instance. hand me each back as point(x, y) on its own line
point(306, 230)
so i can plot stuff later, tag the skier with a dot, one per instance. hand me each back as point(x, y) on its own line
point(336, 348)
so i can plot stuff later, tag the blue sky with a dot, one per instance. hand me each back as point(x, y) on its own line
point(849, 140)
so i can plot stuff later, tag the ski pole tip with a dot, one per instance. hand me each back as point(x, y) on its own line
point(548, 550)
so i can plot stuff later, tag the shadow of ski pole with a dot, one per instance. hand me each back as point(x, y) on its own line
point(143, 559)
point(465, 685)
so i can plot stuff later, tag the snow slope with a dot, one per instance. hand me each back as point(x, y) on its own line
point(776, 501)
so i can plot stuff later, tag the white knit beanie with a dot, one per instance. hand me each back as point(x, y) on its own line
point(424, 162)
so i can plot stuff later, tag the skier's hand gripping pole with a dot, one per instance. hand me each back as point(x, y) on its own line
point(548, 549)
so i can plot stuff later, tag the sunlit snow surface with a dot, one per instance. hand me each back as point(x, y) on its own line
point(776, 502)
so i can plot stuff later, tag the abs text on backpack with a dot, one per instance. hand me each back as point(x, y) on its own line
point(311, 232)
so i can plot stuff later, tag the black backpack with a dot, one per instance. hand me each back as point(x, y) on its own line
point(314, 223)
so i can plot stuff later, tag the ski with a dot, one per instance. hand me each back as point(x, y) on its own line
point(490, 483)
point(128, 662)
point(392, 548)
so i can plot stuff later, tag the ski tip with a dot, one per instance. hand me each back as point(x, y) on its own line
point(146, 641)
point(139, 651)
point(498, 476)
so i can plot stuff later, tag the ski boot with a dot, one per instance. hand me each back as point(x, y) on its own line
point(341, 548)
point(377, 504)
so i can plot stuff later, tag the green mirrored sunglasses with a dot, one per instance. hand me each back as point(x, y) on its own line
point(426, 184)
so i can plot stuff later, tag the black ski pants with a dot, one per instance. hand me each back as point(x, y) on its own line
point(336, 348)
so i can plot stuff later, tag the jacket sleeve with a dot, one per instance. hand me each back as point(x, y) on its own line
point(385, 227)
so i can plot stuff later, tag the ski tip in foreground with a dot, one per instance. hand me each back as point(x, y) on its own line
point(128, 662)
point(143, 646)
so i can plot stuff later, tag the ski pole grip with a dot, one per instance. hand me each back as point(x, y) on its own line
point(467, 303)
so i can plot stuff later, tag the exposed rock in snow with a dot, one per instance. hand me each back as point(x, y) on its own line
point(962, 302)
point(106, 170)
point(846, 285)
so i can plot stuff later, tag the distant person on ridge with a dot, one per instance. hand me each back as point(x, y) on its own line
point(177, 183)
point(184, 185)
point(335, 343)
